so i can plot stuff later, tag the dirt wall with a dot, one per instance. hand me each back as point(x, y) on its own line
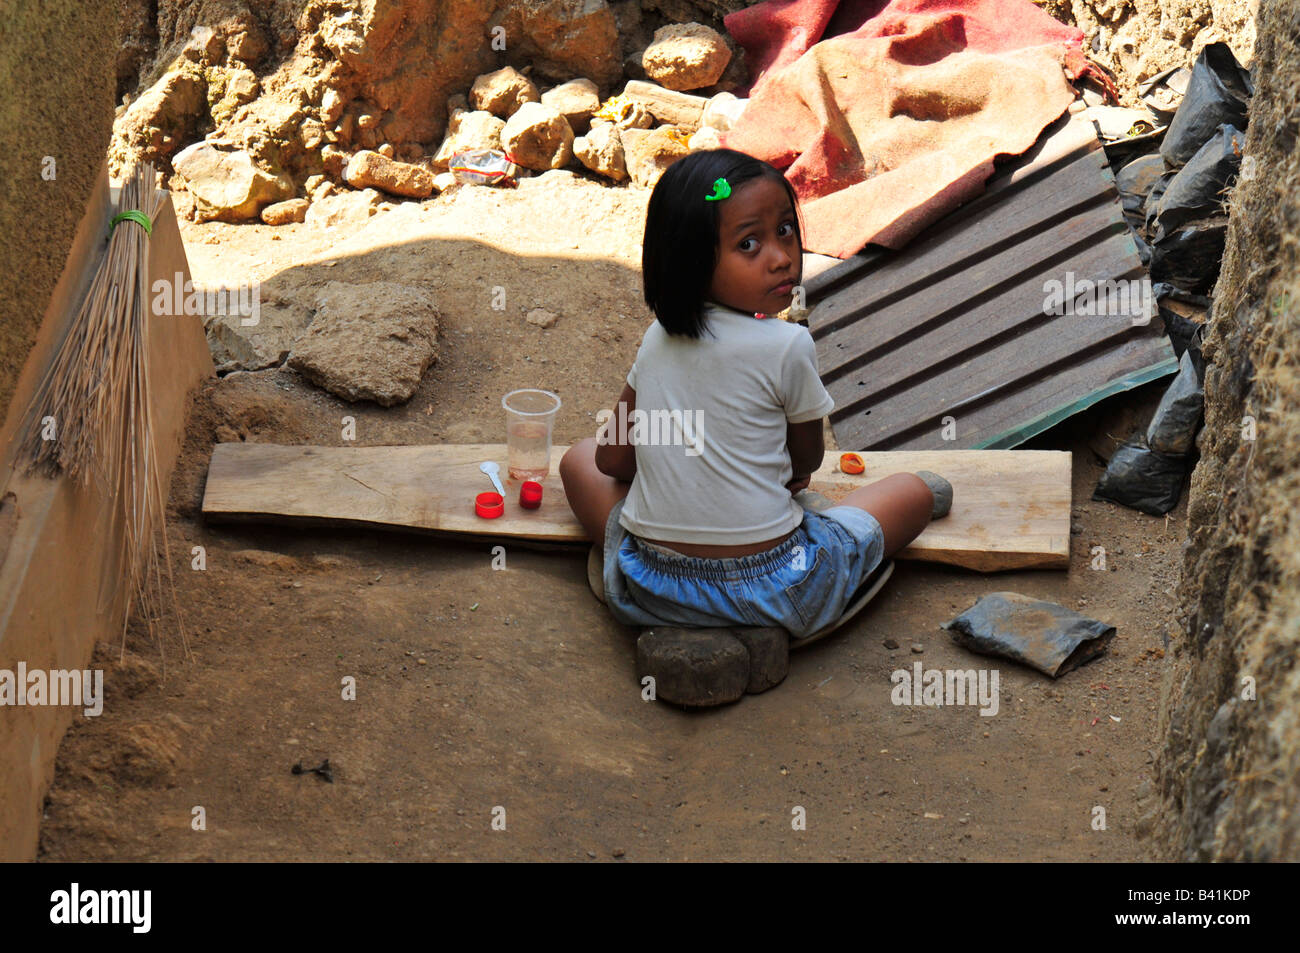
point(1231, 713)
point(56, 74)
point(1136, 39)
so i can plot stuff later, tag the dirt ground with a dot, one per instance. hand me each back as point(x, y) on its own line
point(480, 690)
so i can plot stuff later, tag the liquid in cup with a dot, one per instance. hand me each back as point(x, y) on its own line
point(530, 418)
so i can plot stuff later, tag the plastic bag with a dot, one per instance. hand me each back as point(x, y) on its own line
point(1142, 478)
point(1189, 257)
point(1218, 93)
point(1044, 635)
point(1178, 417)
point(483, 167)
point(1196, 189)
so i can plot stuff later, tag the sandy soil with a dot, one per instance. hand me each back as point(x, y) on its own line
point(479, 690)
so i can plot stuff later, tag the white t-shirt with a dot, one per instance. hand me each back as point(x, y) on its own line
point(711, 454)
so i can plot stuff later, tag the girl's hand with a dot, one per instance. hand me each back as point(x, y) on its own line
point(800, 482)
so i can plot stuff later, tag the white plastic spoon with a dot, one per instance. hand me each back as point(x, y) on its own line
point(491, 469)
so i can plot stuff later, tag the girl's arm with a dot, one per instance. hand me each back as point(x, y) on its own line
point(614, 459)
point(807, 448)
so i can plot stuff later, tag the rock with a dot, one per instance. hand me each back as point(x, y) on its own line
point(564, 38)
point(228, 186)
point(917, 648)
point(476, 129)
point(575, 100)
point(282, 213)
point(230, 89)
point(648, 152)
point(372, 170)
point(694, 667)
point(344, 207)
point(538, 137)
point(334, 160)
point(686, 56)
point(502, 92)
point(890, 643)
point(157, 123)
point(443, 181)
point(769, 656)
point(704, 139)
point(601, 150)
point(666, 105)
point(266, 559)
point(723, 111)
point(368, 342)
point(942, 491)
point(312, 134)
point(541, 317)
point(387, 150)
point(331, 106)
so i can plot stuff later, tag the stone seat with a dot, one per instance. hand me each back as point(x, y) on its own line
point(704, 667)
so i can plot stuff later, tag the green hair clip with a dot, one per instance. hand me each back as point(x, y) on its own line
point(721, 190)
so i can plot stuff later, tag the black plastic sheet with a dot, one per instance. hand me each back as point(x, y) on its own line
point(1189, 258)
point(1173, 426)
point(1142, 479)
point(1218, 93)
point(1197, 189)
point(1042, 635)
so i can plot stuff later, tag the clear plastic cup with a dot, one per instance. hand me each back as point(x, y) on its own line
point(530, 420)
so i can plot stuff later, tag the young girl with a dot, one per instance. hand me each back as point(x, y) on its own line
point(691, 484)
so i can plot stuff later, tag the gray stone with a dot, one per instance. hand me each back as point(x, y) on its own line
point(769, 656)
point(693, 667)
point(368, 342)
point(942, 491)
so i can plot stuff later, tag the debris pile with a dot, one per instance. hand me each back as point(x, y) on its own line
point(384, 98)
point(1174, 201)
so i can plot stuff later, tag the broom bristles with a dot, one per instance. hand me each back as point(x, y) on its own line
point(97, 391)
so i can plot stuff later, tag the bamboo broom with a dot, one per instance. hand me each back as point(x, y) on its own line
point(92, 415)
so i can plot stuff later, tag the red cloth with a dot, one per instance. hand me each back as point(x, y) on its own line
point(887, 114)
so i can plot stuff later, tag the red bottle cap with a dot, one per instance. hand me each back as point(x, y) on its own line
point(489, 505)
point(530, 495)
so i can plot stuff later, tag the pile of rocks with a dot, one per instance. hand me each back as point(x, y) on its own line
point(329, 136)
point(635, 135)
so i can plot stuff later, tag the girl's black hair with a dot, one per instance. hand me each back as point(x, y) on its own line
point(680, 249)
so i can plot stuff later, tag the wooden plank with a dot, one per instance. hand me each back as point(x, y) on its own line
point(1011, 510)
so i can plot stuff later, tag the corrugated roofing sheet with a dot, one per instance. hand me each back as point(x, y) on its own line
point(951, 343)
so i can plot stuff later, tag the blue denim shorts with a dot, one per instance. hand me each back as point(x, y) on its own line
point(802, 585)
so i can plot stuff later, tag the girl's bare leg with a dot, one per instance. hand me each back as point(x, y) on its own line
point(591, 494)
point(900, 503)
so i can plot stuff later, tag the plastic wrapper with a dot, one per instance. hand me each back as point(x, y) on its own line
point(483, 167)
point(1173, 426)
point(1197, 189)
point(1218, 93)
point(1188, 258)
point(1042, 635)
point(1142, 479)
